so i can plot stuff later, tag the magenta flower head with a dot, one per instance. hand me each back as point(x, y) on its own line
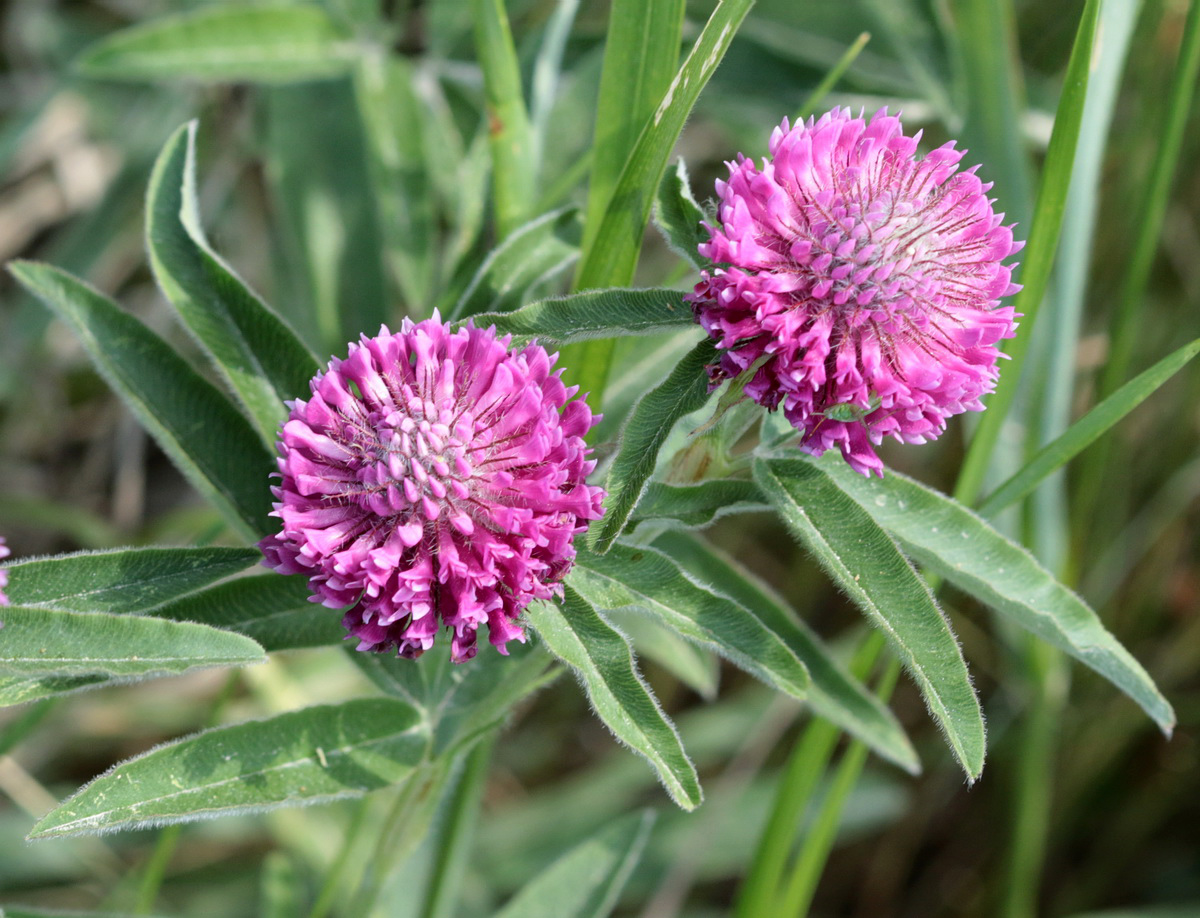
point(4, 553)
point(435, 478)
point(862, 281)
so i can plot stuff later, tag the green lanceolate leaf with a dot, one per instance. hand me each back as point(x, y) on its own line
point(124, 580)
point(613, 313)
point(257, 354)
point(535, 252)
point(1080, 435)
point(833, 692)
point(951, 540)
point(51, 642)
point(586, 881)
point(264, 42)
point(651, 582)
point(678, 216)
point(603, 661)
point(309, 756)
point(651, 420)
point(275, 611)
point(212, 444)
point(698, 505)
point(865, 562)
point(460, 703)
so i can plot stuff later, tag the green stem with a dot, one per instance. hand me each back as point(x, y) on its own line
point(336, 872)
point(831, 78)
point(1047, 678)
point(810, 863)
point(803, 771)
point(454, 839)
point(1127, 319)
point(156, 869)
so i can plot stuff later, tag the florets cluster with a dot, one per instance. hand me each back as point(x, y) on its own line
point(435, 478)
point(864, 283)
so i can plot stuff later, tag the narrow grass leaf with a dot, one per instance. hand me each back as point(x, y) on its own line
point(536, 252)
point(213, 445)
point(951, 540)
point(510, 136)
point(50, 642)
point(641, 54)
point(698, 505)
point(650, 582)
point(261, 42)
point(616, 312)
point(643, 435)
point(1080, 435)
point(611, 255)
point(123, 580)
point(587, 880)
point(256, 353)
point(833, 692)
point(309, 756)
point(603, 661)
point(1039, 251)
point(678, 216)
point(865, 562)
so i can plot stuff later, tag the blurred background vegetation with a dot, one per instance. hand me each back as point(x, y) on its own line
point(295, 197)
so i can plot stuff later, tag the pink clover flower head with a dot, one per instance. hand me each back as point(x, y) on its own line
point(434, 478)
point(863, 281)
point(4, 553)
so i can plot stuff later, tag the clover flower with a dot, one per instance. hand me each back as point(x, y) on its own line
point(863, 283)
point(435, 477)
point(4, 553)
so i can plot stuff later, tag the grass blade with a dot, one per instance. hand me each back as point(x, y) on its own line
point(1039, 253)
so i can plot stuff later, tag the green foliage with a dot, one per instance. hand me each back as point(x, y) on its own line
point(211, 443)
point(317, 754)
point(270, 42)
point(650, 421)
point(257, 355)
point(602, 659)
point(357, 160)
point(652, 583)
point(585, 882)
point(868, 565)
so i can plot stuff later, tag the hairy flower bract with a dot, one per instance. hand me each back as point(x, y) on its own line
point(863, 282)
point(434, 478)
